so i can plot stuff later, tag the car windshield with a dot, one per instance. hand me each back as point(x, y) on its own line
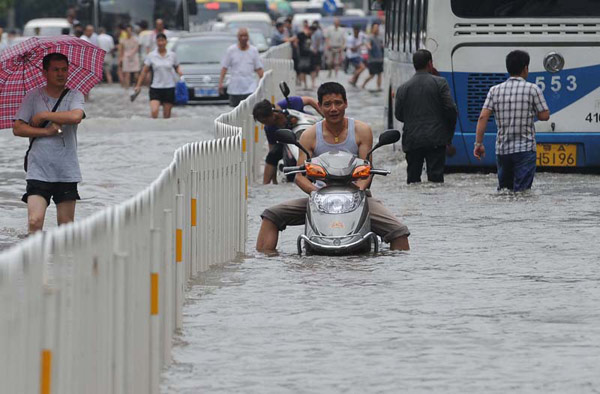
point(525, 8)
point(264, 27)
point(202, 51)
point(258, 39)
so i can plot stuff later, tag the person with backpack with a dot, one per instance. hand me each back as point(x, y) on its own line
point(49, 116)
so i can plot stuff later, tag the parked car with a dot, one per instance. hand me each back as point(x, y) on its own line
point(200, 57)
point(46, 27)
point(258, 39)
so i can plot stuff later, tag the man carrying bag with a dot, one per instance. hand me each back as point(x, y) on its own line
point(49, 117)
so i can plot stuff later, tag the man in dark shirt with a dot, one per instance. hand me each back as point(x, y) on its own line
point(274, 119)
point(429, 114)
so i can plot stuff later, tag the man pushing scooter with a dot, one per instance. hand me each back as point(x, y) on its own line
point(335, 133)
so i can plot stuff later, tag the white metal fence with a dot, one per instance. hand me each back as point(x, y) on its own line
point(91, 307)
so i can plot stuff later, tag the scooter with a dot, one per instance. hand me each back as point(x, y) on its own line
point(337, 215)
point(303, 122)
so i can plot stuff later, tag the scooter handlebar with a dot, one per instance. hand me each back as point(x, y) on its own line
point(287, 170)
point(380, 172)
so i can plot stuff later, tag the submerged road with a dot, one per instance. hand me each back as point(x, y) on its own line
point(499, 294)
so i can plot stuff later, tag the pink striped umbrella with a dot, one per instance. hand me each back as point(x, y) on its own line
point(21, 69)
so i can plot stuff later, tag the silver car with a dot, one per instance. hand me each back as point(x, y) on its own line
point(200, 57)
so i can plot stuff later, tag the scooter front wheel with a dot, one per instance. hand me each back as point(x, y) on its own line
point(375, 244)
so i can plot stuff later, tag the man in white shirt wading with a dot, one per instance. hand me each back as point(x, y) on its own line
point(514, 103)
point(242, 61)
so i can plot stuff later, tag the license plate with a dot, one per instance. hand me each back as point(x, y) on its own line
point(556, 155)
point(202, 92)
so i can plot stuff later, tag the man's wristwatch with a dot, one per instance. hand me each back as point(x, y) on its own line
point(478, 144)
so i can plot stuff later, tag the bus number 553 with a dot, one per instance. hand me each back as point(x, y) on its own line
point(556, 83)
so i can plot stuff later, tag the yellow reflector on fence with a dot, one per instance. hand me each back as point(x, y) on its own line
point(256, 134)
point(154, 293)
point(194, 212)
point(243, 145)
point(178, 245)
point(46, 372)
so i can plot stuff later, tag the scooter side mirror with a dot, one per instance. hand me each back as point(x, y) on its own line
point(286, 136)
point(386, 138)
point(285, 89)
point(389, 137)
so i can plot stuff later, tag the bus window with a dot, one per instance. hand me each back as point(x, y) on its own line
point(402, 29)
point(524, 8)
point(393, 34)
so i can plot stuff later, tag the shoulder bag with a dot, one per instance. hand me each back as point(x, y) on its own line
point(62, 95)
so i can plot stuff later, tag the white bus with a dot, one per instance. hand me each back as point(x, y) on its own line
point(469, 40)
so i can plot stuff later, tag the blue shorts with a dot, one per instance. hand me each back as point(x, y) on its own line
point(516, 170)
point(356, 61)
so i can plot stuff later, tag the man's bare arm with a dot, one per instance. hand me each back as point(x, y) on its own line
point(222, 78)
point(22, 129)
point(544, 115)
point(364, 140)
point(260, 72)
point(307, 100)
point(307, 140)
point(73, 116)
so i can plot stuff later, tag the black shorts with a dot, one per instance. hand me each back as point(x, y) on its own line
point(166, 95)
point(375, 68)
point(59, 191)
point(316, 60)
point(274, 155)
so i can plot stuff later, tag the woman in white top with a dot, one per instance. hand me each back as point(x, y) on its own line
point(129, 57)
point(165, 70)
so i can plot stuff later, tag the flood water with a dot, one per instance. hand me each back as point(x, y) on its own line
point(500, 293)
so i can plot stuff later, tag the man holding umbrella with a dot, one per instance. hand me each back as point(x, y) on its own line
point(52, 165)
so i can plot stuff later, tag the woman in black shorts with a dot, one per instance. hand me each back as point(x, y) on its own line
point(165, 73)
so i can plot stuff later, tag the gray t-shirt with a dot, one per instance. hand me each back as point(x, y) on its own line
point(52, 159)
point(164, 75)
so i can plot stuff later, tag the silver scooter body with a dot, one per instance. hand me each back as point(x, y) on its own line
point(337, 216)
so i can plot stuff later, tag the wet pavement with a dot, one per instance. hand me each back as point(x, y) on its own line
point(499, 293)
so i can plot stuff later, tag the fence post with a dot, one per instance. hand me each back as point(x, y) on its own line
point(179, 261)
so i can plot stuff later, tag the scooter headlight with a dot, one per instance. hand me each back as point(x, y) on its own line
point(336, 203)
